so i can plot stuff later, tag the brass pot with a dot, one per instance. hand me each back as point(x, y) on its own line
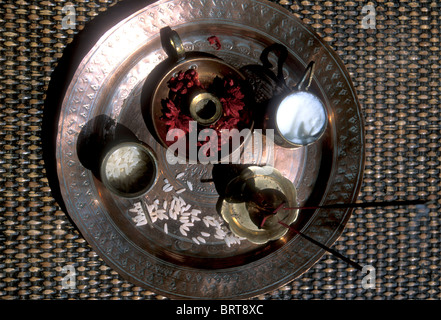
point(202, 106)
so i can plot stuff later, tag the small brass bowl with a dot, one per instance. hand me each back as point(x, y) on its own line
point(243, 212)
point(129, 169)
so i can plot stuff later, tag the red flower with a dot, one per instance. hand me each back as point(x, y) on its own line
point(214, 41)
point(175, 115)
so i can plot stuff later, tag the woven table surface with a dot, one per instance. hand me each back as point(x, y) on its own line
point(395, 66)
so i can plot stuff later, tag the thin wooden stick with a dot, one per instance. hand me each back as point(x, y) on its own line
point(349, 205)
point(332, 251)
point(271, 214)
point(361, 205)
point(340, 205)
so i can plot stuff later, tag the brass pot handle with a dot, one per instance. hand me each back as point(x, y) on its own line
point(172, 44)
point(282, 54)
point(307, 78)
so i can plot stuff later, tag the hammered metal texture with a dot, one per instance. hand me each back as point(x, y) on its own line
point(395, 69)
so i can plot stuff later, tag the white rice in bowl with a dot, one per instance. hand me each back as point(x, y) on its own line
point(129, 169)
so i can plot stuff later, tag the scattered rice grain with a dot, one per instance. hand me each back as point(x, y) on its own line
point(221, 232)
point(188, 224)
point(161, 214)
point(178, 207)
point(181, 229)
point(167, 188)
point(182, 201)
point(172, 214)
point(141, 223)
point(190, 185)
point(140, 220)
point(184, 220)
point(217, 224)
point(180, 175)
point(180, 190)
point(153, 216)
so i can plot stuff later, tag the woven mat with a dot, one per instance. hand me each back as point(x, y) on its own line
point(395, 68)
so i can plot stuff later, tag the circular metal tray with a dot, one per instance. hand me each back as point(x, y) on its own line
point(108, 82)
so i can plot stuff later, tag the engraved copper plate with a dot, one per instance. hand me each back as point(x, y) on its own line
point(108, 82)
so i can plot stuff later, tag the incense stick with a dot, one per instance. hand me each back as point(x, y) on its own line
point(340, 205)
point(271, 214)
point(361, 205)
point(332, 251)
